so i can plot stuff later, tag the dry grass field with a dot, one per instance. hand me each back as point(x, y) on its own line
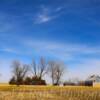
point(8, 92)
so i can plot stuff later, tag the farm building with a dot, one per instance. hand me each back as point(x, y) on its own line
point(90, 81)
point(93, 80)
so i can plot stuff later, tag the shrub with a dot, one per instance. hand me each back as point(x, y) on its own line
point(38, 81)
point(12, 81)
point(28, 81)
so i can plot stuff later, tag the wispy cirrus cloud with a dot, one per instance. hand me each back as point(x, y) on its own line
point(43, 16)
point(47, 14)
point(63, 51)
point(9, 50)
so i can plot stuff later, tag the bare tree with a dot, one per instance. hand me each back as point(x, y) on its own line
point(51, 67)
point(19, 71)
point(34, 68)
point(40, 69)
point(56, 71)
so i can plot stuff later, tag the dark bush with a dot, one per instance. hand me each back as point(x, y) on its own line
point(12, 81)
point(28, 81)
point(38, 81)
point(69, 83)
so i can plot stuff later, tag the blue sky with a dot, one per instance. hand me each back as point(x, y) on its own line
point(67, 30)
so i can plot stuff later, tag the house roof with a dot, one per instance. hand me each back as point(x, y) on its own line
point(95, 78)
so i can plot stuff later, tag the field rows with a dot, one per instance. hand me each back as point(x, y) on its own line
point(48, 93)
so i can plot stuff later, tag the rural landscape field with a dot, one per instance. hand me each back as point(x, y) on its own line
point(49, 93)
point(49, 49)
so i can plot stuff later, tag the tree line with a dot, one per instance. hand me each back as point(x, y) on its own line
point(54, 70)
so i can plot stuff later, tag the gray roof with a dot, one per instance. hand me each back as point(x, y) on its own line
point(94, 78)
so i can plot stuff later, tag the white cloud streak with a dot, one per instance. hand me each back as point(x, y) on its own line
point(63, 51)
point(9, 50)
point(43, 16)
point(46, 14)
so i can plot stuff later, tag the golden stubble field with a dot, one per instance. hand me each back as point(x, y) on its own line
point(8, 92)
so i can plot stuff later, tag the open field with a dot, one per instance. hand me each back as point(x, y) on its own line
point(48, 93)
